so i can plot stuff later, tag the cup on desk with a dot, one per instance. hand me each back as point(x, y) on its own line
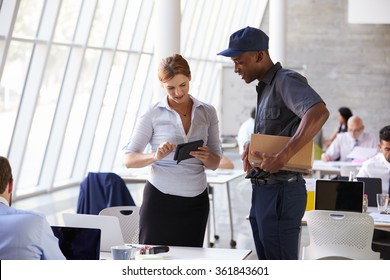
point(382, 199)
point(123, 252)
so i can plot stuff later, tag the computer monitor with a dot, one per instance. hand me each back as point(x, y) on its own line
point(109, 225)
point(372, 186)
point(78, 243)
point(335, 195)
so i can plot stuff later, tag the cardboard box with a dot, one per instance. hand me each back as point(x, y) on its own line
point(300, 162)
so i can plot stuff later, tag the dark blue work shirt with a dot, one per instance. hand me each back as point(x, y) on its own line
point(283, 102)
point(284, 96)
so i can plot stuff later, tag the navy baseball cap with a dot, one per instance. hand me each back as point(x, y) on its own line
point(244, 40)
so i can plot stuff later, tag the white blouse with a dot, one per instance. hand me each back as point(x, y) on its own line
point(159, 124)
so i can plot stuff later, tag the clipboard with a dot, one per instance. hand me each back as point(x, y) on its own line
point(183, 150)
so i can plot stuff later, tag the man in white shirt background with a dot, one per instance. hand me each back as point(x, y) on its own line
point(245, 131)
point(24, 235)
point(345, 142)
point(379, 165)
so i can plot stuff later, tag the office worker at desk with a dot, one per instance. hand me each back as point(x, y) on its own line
point(175, 204)
point(24, 235)
point(379, 165)
point(345, 142)
point(343, 115)
point(286, 106)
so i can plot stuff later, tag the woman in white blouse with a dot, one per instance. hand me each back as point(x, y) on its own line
point(175, 203)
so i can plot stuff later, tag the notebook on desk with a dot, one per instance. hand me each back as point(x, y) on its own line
point(78, 243)
point(372, 186)
point(111, 233)
point(335, 195)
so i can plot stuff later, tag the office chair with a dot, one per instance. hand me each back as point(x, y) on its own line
point(381, 243)
point(339, 235)
point(128, 219)
point(101, 190)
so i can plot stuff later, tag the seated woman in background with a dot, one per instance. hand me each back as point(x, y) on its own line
point(225, 163)
point(343, 115)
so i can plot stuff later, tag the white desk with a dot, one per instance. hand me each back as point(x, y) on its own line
point(381, 221)
point(217, 177)
point(225, 177)
point(191, 253)
point(321, 168)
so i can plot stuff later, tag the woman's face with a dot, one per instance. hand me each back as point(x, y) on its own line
point(177, 89)
point(341, 119)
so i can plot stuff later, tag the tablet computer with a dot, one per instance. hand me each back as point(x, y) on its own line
point(183, 150)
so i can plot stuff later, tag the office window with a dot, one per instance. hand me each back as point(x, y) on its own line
point(75, 75)
point(12, 81)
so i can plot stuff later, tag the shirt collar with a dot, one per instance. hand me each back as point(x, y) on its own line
point(269, 76)
point(4, 201)
point(383, 159)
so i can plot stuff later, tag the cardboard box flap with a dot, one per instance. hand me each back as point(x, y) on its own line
point(302, 161)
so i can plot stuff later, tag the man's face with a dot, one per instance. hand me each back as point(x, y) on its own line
point(245, 66)
point(355, 129)
point(384, 147)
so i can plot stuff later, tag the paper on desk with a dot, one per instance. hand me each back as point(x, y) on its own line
point(380, 218)
point(362, 153)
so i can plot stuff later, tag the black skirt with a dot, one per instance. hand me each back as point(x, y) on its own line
point(173, 220)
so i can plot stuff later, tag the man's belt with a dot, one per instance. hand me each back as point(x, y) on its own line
point(268, 181)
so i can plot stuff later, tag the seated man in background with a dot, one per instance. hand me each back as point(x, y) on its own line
point(379, 165)
point(24, 235)
point(346, 141)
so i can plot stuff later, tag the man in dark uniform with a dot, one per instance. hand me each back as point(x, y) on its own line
point(286, 106)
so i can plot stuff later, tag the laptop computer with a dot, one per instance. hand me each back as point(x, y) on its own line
point(372, 186)
point(111, 233)
point(78, 243)
point(335, 195)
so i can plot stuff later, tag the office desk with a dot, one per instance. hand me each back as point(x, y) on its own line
point(191, 253)
point(225, 177)
point(217, 177)
point(381, 221)
point(322, 168)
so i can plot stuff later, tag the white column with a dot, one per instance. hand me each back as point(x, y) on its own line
point(277, 30)
point(167, 35)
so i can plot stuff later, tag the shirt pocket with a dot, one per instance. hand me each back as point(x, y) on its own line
point(270, 113)
point(270, 120)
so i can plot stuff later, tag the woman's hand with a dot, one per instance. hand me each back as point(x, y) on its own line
point(209, 160)
point(202, 154)
point(163, 150)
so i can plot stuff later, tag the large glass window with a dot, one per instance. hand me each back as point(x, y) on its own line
point(75, 75)
point(12, 82)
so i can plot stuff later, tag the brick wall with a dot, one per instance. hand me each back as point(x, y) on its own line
point(347, 64)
